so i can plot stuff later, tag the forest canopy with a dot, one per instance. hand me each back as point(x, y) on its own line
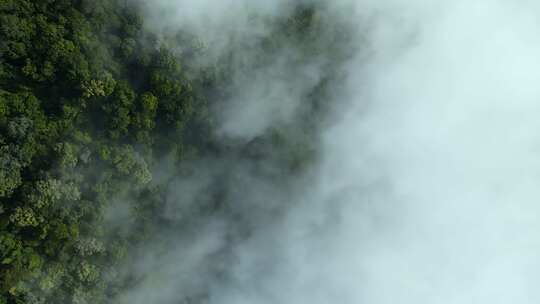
point(92, 106)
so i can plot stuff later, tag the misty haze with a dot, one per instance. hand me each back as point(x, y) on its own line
point(265, 152)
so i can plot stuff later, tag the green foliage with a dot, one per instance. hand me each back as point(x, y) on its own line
point(129, 165)
point(24, 217)
point(63, 94)
point(89, 103)
point(10, 171)
point(101, 87)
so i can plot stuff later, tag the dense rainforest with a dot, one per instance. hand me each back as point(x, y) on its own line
point(94, 106)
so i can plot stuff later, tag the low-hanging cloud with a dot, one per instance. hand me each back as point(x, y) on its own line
point(426, 187)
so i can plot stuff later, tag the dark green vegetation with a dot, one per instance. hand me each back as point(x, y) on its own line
point(90, 105)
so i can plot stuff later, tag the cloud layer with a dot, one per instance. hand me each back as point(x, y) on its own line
point(426, 189)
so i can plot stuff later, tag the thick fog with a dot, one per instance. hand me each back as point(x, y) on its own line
point(450, 130)
point(426, 188)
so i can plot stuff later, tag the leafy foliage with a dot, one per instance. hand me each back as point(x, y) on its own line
point(89, 102)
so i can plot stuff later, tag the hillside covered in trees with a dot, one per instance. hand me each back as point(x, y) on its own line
point(101, 118)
